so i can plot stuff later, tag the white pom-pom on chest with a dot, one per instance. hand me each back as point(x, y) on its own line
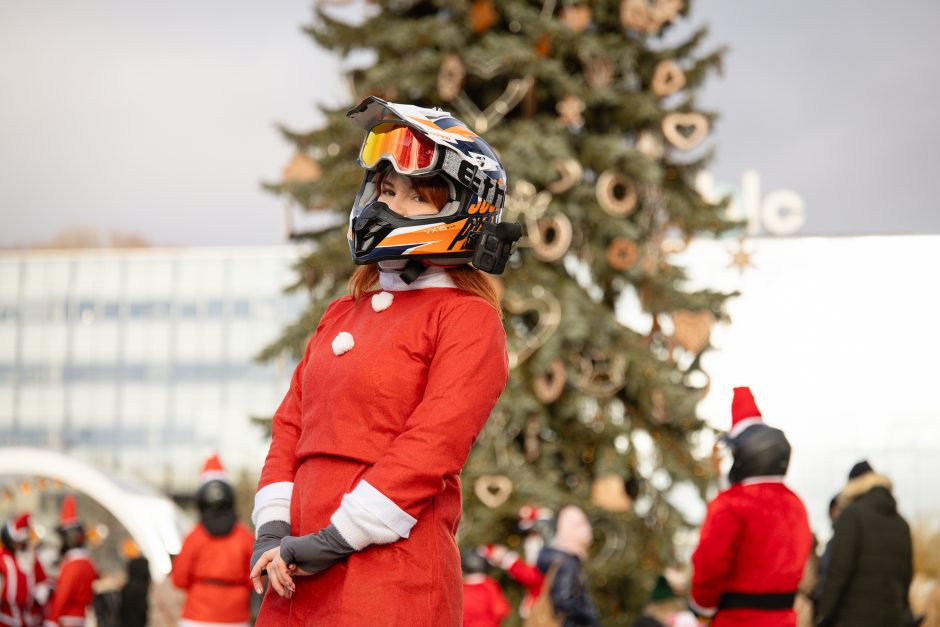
point(382, 301)
point(343, 343)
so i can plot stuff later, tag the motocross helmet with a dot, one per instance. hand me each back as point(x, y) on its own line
point(419, 142)
point(759, 451)
point(215, 500)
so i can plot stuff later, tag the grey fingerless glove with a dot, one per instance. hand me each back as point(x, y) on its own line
point(315, 552)
point(270, 535)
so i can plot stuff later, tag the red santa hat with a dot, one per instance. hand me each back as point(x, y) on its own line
point(744, 412)
point(18, 527)
point(68, 517)
point(212, 470)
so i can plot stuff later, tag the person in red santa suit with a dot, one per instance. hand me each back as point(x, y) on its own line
point(756, 538)
point(73, 587)
point(359, 499)
point(24, 587)
point(484, 604)
point(212, 565)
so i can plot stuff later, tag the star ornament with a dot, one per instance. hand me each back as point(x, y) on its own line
point(740, 258)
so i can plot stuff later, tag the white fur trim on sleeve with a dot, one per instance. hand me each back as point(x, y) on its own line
point(707, 612)
point(366, 516)
point(272, 502)
point(508, 560)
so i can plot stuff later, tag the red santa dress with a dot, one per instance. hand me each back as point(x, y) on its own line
point(16, 595)
point(484, 604)
point(213, 570)
point(375, 428)
point(754, 541)
point(73, 591)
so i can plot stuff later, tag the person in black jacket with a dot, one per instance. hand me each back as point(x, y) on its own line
point(871, 563)
point(569, 592)
point(135, 594)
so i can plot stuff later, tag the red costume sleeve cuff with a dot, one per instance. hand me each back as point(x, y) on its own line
point(272, 502)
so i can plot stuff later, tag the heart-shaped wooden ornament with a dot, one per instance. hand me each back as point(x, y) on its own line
point(532, 320)
point(493, 490)
point(685, 130)
point(483, 119)
point(693, 329)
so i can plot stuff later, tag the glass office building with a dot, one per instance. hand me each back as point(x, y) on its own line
point(142, 361)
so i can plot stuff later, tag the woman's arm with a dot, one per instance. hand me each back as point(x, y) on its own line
point(467, 374)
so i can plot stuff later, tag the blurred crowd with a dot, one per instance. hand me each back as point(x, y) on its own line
point(756, 563)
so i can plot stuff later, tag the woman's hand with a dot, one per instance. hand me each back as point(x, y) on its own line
point(278, 573)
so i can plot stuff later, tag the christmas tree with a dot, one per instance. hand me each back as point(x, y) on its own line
point(593, 112)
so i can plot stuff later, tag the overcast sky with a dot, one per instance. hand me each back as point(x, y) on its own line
point(158, 118)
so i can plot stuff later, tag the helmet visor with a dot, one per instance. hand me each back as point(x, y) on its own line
point(409, 152)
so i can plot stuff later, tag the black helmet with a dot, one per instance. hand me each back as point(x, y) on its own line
point(216, 502)
point(472, 563)
point(759, 451)
point(420, 142)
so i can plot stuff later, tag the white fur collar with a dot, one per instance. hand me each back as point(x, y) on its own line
point(390, 279)
point(861, 485)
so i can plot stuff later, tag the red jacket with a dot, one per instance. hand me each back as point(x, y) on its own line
point(483, 604)
point(755, 540)
point(213, 570)
point(396, 413)
point(73, 592)
point(530, 577)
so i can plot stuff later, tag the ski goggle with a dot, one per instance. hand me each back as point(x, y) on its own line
point(411, 152)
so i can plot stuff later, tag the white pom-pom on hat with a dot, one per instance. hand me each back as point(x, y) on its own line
point(343, 343)
point(382, 301)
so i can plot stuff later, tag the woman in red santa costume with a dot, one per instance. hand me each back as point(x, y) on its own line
point(73, 591)
point(756, 537)
point(359, 498)
point(23, 585)
point(212, 566)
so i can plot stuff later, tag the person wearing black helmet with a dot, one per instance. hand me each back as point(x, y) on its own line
point(212, 565)
point(756, 539)
point(360, 485)
point(484, 604)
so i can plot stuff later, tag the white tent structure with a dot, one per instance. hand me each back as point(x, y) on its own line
point(155, 523)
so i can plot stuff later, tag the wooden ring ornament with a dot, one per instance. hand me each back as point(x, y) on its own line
point(668, 78)
point(616, 203)
point(552, 238)
point(622, 254)
point(674, 125)
point(570, 174)
point(549, 385)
